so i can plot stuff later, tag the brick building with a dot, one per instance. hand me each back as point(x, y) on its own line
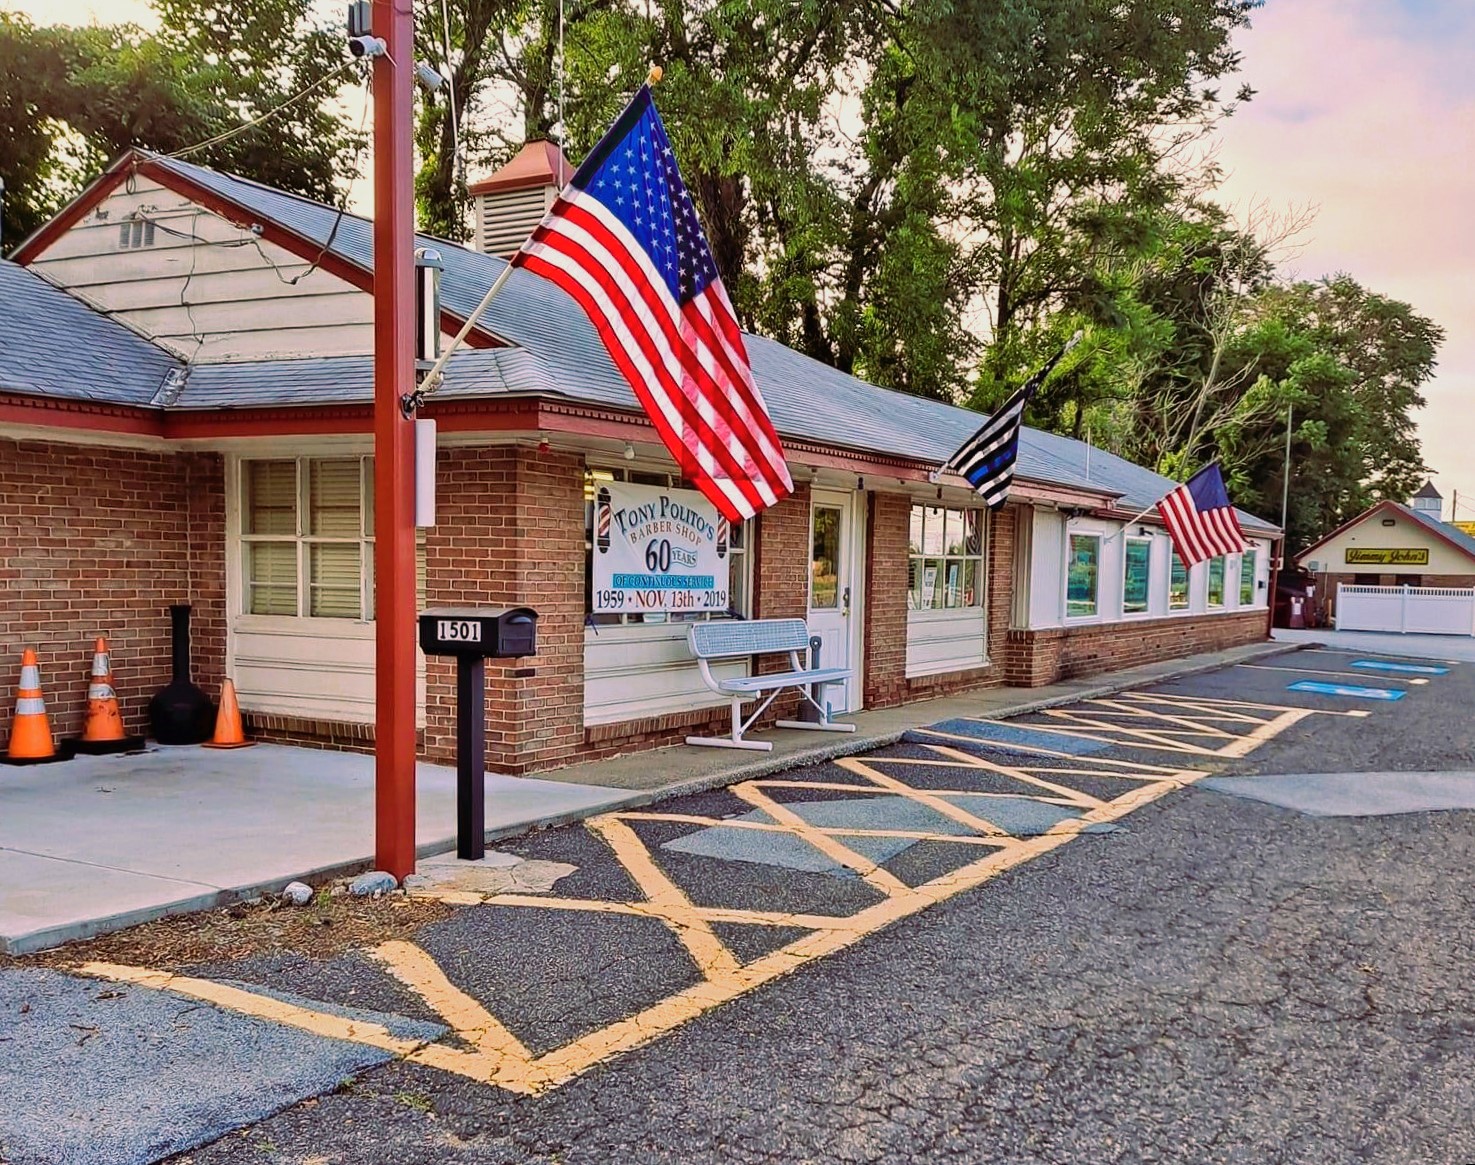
point(185, 416)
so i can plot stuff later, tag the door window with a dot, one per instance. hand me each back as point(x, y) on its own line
point(824, 559)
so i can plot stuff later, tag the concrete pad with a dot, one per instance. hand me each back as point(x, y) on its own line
point(1354, 794)
point(993, 732)
point(98, 1074)
point(100, 842)
point(793, 853)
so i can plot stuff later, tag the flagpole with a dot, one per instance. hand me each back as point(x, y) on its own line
point(1285, 485)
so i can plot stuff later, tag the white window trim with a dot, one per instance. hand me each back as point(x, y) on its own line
point(1096, 616)
point(303, 541)
point(1188, 571)
point(980, 560)
point(963, 618)
point(1223, 604)
point(1146, 612)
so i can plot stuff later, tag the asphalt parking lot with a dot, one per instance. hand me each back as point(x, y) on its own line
point(1044, 941)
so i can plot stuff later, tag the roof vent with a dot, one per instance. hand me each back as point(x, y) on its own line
point(514, 200)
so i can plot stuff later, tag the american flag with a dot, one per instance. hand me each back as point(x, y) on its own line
point(1200, 519)
point(987, 458)
point(623, 240)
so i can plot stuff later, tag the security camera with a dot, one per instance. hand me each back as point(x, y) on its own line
point(367, 46)
point(429, 79)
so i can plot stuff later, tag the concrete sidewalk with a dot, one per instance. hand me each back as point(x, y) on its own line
point(101, 843)
point(1454, 648)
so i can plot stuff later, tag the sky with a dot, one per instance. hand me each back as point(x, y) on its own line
point(1364, 110)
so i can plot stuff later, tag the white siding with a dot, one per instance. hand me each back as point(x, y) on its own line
point(1048, 550)
point(945, 641)
point(644, 670)
point(225, 296)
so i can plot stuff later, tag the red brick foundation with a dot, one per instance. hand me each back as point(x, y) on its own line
point(1036, 658)
point(100, 541)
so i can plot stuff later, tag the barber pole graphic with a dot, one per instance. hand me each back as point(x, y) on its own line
point(721, 537)
point(602, 520)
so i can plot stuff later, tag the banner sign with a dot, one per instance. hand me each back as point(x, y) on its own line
point(1399, 556)
point(658, 549)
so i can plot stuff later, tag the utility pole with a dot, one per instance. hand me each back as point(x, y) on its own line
point(394, 440)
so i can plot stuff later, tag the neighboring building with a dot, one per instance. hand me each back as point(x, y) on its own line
point(185, 416)
point(1391, 545)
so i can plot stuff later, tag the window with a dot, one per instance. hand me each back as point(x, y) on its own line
point(1082, 575)
point(824, 559)
point(1137, 576)
point(1177, 585)
point(945, 567)
point(1247, 579)
point(307, 535)
point(739, 537)
point(1216, 581)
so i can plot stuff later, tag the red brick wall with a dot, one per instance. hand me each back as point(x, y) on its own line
point(1035, 658)
point(886, 681)
point(510, 532)
point(99, 542)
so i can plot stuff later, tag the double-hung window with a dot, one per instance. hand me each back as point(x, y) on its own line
point(1083, 576)
point(307, 537)
point(945, 558)
point(1247, 579)
point(1177, 584)
point(1216, 581)
point(1137, 576)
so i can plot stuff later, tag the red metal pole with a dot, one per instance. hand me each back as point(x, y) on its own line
point(394, 441)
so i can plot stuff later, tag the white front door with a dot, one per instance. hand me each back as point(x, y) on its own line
point(834, 591)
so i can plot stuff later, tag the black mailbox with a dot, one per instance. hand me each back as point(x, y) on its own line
point(472, 635)
point(485, 632)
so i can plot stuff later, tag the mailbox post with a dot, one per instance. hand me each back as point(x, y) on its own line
point(472, 635)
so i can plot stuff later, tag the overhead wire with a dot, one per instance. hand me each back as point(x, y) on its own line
point(235, 131)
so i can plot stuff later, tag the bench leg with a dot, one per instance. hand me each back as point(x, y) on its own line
point(736, 740)
point(822, 726)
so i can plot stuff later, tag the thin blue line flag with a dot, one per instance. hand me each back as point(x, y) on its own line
point(987, 458)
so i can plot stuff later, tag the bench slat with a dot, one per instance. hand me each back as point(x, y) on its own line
point(724, 637)
point(785, 679)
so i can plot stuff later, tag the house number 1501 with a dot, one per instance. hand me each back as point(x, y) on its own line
point(458, 630)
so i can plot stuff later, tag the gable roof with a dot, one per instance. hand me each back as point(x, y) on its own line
point(53, 344)
point(1451, 535)
point(556, 352)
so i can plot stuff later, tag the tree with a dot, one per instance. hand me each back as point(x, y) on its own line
point(74, 98)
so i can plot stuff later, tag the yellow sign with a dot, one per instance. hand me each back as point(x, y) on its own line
point(1467, 527)
point(1399, 556)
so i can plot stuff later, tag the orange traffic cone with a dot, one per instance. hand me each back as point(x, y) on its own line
point(31, 742)
point(103, 731)
point(104, 721)
point(228, 730)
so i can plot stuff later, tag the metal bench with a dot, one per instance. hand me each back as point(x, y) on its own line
point(735, 639)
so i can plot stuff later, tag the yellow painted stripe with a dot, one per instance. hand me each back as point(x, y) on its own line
point(880, 879)
point(503, 1052)
point(712, 958)
point(321, 1023)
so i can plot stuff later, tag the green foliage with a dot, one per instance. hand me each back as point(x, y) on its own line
point(75, 97)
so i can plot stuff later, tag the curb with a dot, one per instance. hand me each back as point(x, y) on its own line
point(762, 767)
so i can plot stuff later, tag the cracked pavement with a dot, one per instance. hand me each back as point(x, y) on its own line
point(1217, 980)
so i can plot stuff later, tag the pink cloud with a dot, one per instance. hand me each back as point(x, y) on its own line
point(1366, 108)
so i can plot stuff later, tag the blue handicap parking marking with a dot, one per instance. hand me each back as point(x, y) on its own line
point(1420, 669)
point(1004, 735)
point(1322, 689)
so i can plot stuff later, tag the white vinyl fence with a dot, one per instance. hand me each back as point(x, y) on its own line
point(1415, 610)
